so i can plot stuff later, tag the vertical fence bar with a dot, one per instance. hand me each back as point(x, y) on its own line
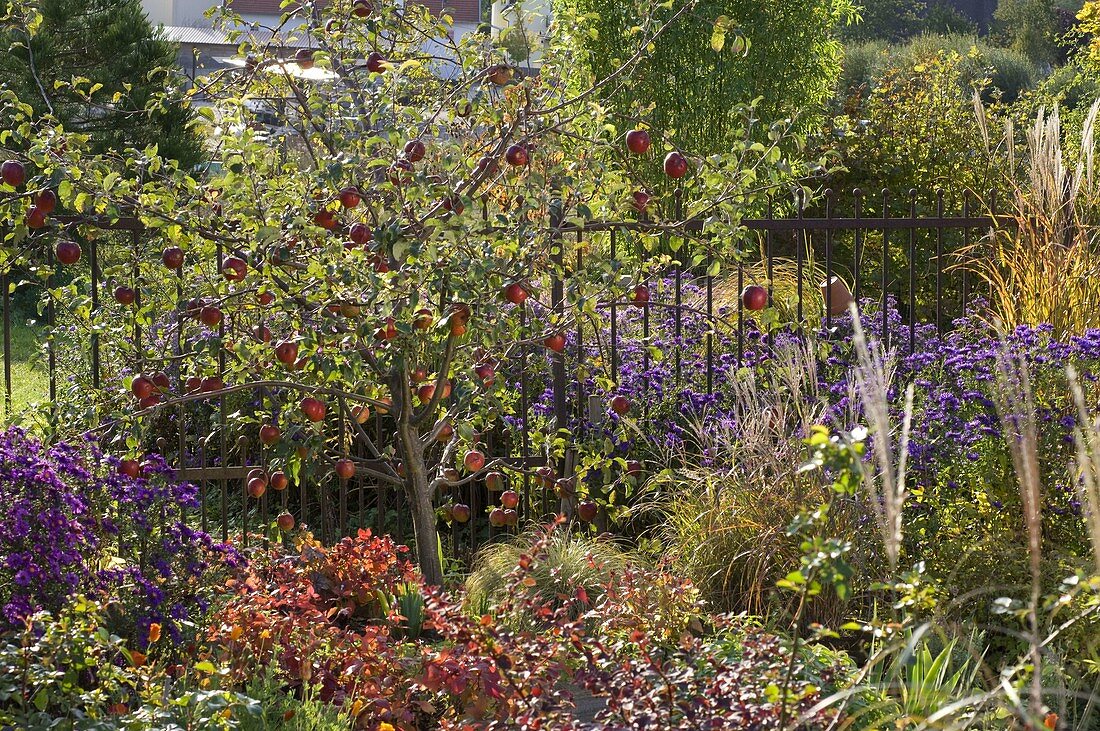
point(580, 337)
point(224, 455)
point(885, 268)
point(51, 322)
point(912, 271)
point(800, 255)
point(857, 253)
point(741, 311)
point(828, 262)
point(614, 316)
point(966, 247)
point(679, 294)
point(710, 318)
point(93, 260)
point(5, 284)
point(136, 276)
point(557, 302)
point(769, 243)
point(939, 262)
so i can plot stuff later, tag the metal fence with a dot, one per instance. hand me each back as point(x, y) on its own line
point(893, 249)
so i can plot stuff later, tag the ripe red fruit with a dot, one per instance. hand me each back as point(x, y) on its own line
point(325, 219)
point(516, 155)
point(423, 319)
point(676, 165)
point(262, 333)
point(234, 269)
point(488, 165)
point(172, 257)
point(287, 352)
point(125, 295)
point(474, 460)
point(285, 521)
point(160, 380)
point(269, 434)
point(494, 481)
point(193, 384)
point(639, 199)
point(13, 172)
point(149, 401)
point(637, 141)
point(496, 518)
point(257, 486)
point(450, 474)
point(641, 295)
point(361, 8)
point(210, 384)
point(360, 234)
point(388, 331)
point(399, 171)
point(511, 517)
point(36, 217)
point(453, 204)
point(414, 150)
point(545, 476)
point(265, 298)
point(68, 252)
point(361, 413)
point(46, 201)
point(633, 468)
point(130, 468)
point(419, 375)
point(620, 405)
point(349, 197)
point(509, 498)
point(142, 387)
point(444, 434)
point(345, 469)
point(500, 74)
point(486, 373)
point(515, 293)
point(555, 343)
point(587, 511)
point(754, 297)
point(460, 512)
point(313, 408)
point(376, 63)
point(304, 58)
point(425, 392)
point(210, 316)
point(279, 481)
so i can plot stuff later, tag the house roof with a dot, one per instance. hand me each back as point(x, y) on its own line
point(188, 36)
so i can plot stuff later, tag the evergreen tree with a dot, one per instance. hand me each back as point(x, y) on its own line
point(102, 69)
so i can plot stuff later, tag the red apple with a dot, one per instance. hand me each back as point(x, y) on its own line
point(515, 293)
point(160, 380)
point(376, 63)
point(460, 512)
point(257, 487)
point(445, 433)
point(265, 298)
point(453, 204)
point(142, 387)
point(211, 384)
point(388, 331)
point(262, 333)
point(285, 521)
point(494, 481)
point(287, 352)
point(210, 316)
point(46, 201)
point(419, 375)
point(345, 469)
point(676, 165)
point(399, 171)
point(129, 467)
point(509, 498)
point(36, 217)
point(555, 343)
point(425, 392)
point(633, 468)
point(637, 141)
point(149, 401)
point(193, 384)
point(487, 165)
point(496, 518)
point(325, 219)
point(361, 413)
point(234, 269)
point(279, 481)
point(620, 405)
point(172, 257)
point(500, 74)
point(640, 296)
point(587, 511)
point(486, 373)
point(125, 295)
point(350, 197)
point(511, 517)
point(754, 297)
point(545, 476)
point(269, 434)
point(423, 319)
point(516, 155)
point(414, 150)
point(639, 199)
point(361, 8)
point(360, 234)
point(68, 252)
point(474, 460)
point(304, 58)
point(13, 172)
point(313, 409)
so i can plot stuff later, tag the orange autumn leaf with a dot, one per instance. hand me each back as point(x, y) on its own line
point(1051, 721)
point(138, 658)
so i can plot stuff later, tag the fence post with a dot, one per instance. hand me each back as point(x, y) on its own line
point(557, 299)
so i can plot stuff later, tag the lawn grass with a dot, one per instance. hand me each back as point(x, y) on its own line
point(29, 377)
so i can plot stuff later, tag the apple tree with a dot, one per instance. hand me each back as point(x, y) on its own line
point(389, 247)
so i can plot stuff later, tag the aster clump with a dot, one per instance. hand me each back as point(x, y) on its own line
point(77, 525)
